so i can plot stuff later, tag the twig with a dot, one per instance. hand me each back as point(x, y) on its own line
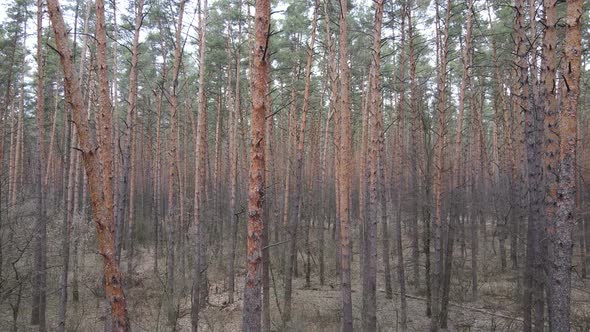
point(275, 244)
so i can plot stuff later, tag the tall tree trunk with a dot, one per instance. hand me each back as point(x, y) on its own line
point(259, 88)
point(551, 136)
point(325, 217)
point(88, 95)
point(439, 222)
point(8, 106)
point(11, 162)
point(481, 181)
point(334, 102)
point(414, 185)
point(156, 171)
point(363, 171)
point(131, 209)
point(41, 190)
point(269, 178)
point(75, 267)
point(129, 132)
point(533, 283)
point(369, 314)
point(200, 178)
point(66, 231)
point(50, 158)
point(509, 157)
point(76, 229)
point(15, 139)
point(157, 209)
point(344, 173)
point(458, 160)
point(562, 228)
point(300, 148)
point(173, 178)
point(4, 120)
point(179, 238)
point(233, 157)
point(520, 97)
point(401, 274)
point(216, 180)
point(382, 196)
point(120, 167)
point(292, 128)
point(100, 187)
point(17, 153)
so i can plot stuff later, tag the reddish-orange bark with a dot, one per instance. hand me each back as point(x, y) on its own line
point(259, 88)
point(97, 158)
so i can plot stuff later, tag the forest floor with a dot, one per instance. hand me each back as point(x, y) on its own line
point(314, 309)
point(317, 308)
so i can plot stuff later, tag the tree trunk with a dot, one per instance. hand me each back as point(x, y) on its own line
point(233, 104)
point(292, 128)
point(534, 280)
point(291, 255)
point(259, 88)
point(269, 178)
point(131, 210)
point(17, 152)
point(344, 173)
point(120, 167)
point(128, 166)
point(66, 230)
point(216, 180)
point(414, 154)
point(439, 222)
point(369, 274)
point(199, 279)
point(173, 177)
point(550, 138)
point(334, 102)
point(75, 267)
point(41, 189)
point(100, 187)
point(325, 217)
point(458, 160)
point(232, 184)
point(561, 230)
point(8, 106)
point(401, 274)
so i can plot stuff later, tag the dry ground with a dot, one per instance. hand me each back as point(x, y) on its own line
point(314, 309)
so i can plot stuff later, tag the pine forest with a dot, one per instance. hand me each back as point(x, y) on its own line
point(294, 165)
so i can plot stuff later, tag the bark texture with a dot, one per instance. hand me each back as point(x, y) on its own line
point(562, 232)
point(369, 314)
point(259, 88)
point(200, 180)
point(97, 157)
point(344, 174)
